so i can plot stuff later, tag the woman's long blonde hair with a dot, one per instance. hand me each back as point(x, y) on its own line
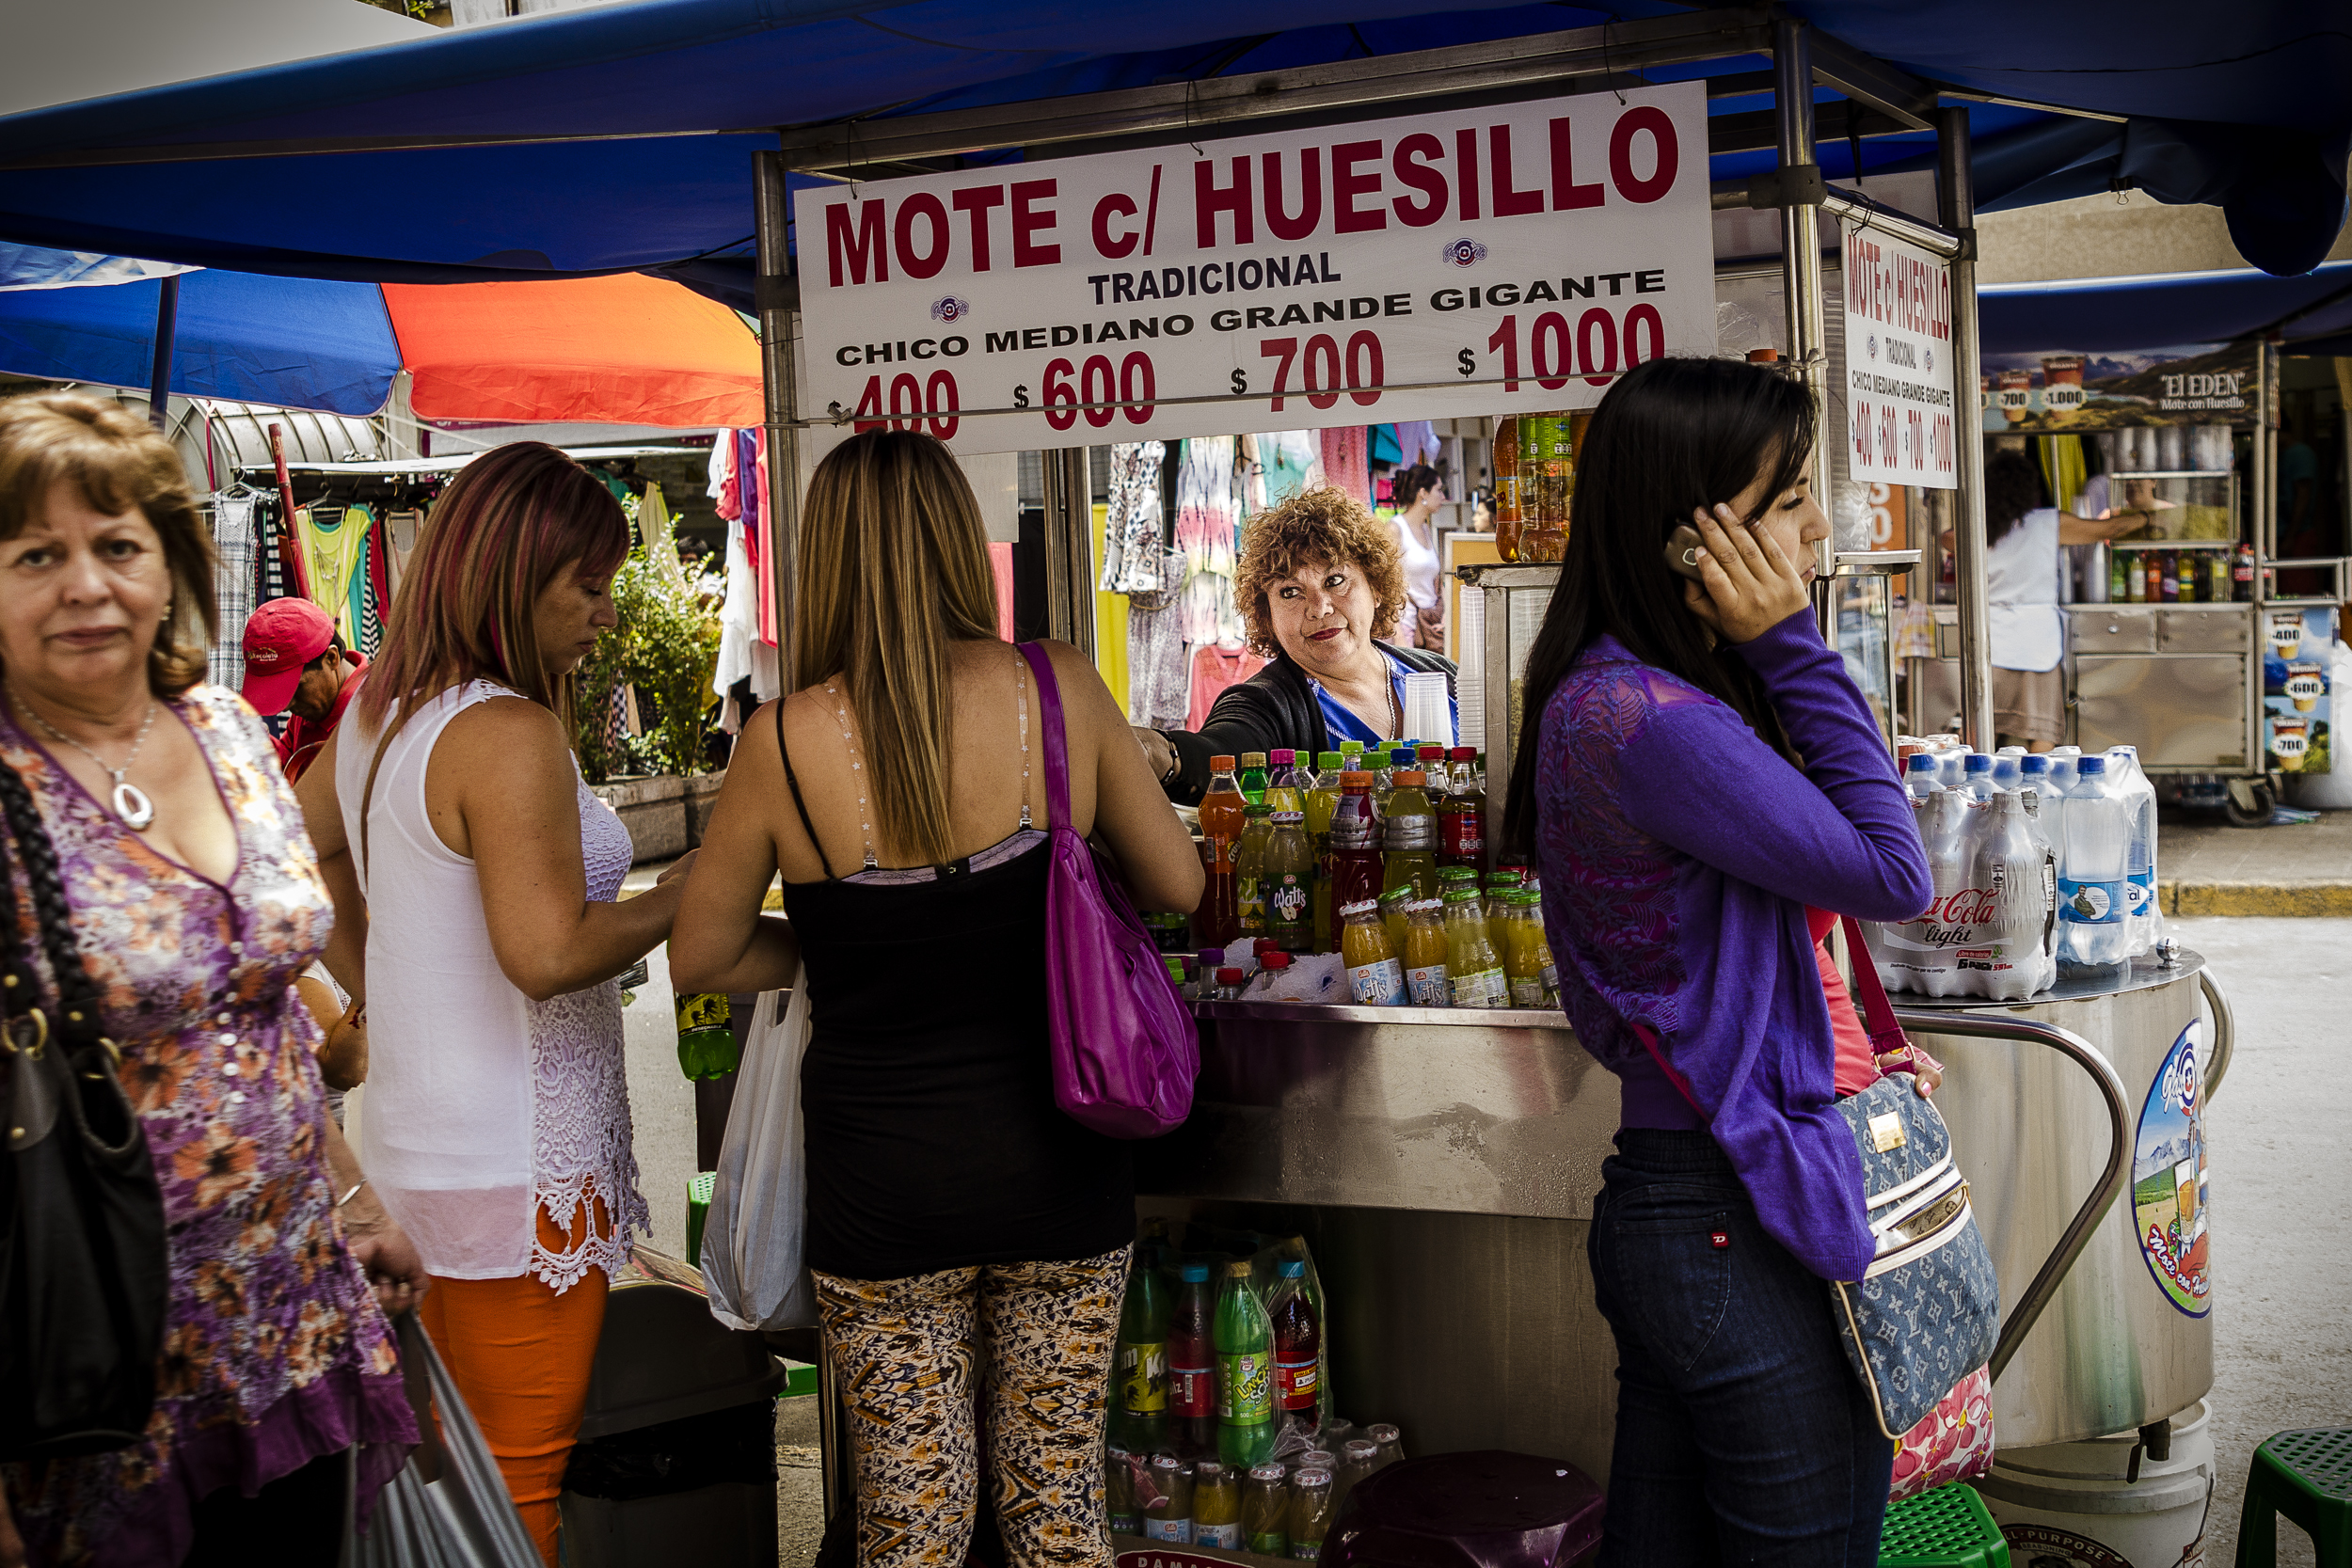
point(893, 568)
point(508, 523)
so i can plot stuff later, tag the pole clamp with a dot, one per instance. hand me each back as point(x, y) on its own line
point(1797, 185)
point(776, 292)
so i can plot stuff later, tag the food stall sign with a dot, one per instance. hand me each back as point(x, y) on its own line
point(1898, 363)
point(1478, 261)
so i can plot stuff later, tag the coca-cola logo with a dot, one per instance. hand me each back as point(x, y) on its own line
point(1965, 907)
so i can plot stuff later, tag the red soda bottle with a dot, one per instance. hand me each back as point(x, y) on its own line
point(1297, 1348)
point(1192, 1363)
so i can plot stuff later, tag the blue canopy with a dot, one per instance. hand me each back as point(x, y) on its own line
point(2117, 314)
point(674, 96)
point(296, 342)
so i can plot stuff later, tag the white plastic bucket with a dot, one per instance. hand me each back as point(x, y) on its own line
point(2068, 1505)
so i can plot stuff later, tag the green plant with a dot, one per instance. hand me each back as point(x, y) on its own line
point(666, 646)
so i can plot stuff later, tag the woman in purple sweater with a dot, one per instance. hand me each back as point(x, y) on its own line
point(1705, 789)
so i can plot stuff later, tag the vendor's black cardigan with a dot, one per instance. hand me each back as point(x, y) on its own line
point(1272, 708)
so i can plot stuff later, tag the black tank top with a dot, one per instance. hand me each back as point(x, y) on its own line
point(932, 1138)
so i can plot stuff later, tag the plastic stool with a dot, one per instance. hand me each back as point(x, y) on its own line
point(1947, 1528)
point(2306, 1476)
point(698, 1189)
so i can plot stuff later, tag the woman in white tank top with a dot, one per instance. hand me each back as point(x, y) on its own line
point(474, 879)
point(1417, 490)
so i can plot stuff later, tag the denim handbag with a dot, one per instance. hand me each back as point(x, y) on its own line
point(1926, 1310)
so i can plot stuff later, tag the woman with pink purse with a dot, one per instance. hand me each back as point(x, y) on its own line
point(906, 793)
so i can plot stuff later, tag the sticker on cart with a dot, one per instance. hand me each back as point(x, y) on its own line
point(2169, 1188)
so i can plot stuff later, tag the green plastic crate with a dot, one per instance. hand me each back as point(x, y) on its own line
point(698, 1187)
point(1947, 1528)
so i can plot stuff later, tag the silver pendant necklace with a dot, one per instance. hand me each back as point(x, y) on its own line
point(130, 802)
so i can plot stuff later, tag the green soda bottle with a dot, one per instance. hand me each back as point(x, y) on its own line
point(1250, 870)
point(706, 1043)
point(1243, 1336)
point(1140, 1370)
point(1253, 777)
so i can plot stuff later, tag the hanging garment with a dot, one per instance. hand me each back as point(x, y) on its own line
point(377, 597)
point(739, 628)
point(333, 541)
point(1155, 668)
point(1346, 463)
point(268, 536)
point(1205, 516)
point(755, 517)
point(722, 486)
point(658, 533)
point(1380, 444)
point(1294, 463)
point(1214, 669)
point(1253, 474)
point(1134, 523)
point(400, 533)
point(1417, 443)
point(233, 581)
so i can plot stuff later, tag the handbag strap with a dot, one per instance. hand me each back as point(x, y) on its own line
point(1878, 1015)
point(78, 1015)
point(1050, 727)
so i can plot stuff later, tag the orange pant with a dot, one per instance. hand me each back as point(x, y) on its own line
point(521, 1355)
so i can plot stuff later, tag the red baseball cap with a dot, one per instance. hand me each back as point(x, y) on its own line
point(281, 637)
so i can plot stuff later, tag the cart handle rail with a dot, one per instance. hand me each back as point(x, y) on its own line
point(2038, 1295)
point(2224, 1031)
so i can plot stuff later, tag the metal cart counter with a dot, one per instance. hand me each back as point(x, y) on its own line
point(1441, 1165)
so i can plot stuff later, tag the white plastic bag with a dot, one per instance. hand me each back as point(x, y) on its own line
point(462, 1516)
point(755, 1235)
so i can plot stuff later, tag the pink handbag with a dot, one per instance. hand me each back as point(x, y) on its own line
point(1125, 1051)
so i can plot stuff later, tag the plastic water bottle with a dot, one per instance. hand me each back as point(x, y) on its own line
point(2063, 762)
point(1977, 776)
point(2001, 917)
point(2094, 871)
point(2007, 769)
point(2123, 772)
point(1922, 775)
point(1953, 761)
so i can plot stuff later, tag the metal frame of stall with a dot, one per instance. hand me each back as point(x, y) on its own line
point(1281, 1075)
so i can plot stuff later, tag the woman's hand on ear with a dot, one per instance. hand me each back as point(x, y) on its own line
point(1748, 584)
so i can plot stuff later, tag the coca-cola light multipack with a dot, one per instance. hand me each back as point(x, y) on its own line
point(2017, 894)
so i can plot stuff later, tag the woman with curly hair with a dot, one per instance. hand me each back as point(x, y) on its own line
point(1321, 583)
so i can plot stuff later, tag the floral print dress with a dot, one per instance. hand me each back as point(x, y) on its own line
point(274, 1352)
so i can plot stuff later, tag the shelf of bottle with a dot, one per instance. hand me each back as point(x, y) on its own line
point(2106, 606)
point(2171, 473)
point(2172, 543)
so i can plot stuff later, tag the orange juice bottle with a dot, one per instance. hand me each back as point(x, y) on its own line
point(1425, 954)
point(1223, 816)
point(1505, 464)
point(1374, 977)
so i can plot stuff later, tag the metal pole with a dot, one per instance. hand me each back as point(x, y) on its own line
point(776, 298)
point(167, 329)
point(1069, 548)
point(1801, 246)
point(1955, 203)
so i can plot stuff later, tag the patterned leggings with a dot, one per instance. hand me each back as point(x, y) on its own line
point(905, 1352)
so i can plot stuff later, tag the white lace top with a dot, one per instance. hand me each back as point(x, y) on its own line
point(482, 1107)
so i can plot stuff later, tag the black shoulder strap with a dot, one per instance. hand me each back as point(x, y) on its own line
point(798, 805)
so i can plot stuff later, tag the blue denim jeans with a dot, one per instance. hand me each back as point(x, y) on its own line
point(1742, 1434)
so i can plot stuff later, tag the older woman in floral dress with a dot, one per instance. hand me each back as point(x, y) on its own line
point(196, 900)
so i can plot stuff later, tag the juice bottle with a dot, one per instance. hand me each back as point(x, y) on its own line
point(1383, 765)
point(1506, 475)
point(1223, 815)
point(1191, 1362)
point(1322, 800)
point(1297, 1347)
point(1285, 787)
point(1249, 869)
point(1375, 978)
point(1355, 847)
point(1392, 902)
point(1168, 1516)
point(1312, 1508)
point(1501, 881)
point(1473, 972)
point(1253, 777)
point(1286, 880)
point(1351, 754)
point(1535, 978)
point(1141, 1378)
point(1265, 1512)
point(1215, 1505)
point(1431, 761)
point(1243, 1338)
point(1426, 955)
point(1409, 838)
point(1462, 814)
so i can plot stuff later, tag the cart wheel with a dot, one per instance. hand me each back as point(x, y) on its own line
point(2258, 815)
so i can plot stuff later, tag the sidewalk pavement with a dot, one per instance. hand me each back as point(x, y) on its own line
point(2204, 866)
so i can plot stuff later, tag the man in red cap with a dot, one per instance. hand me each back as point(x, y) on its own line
point(293, 659)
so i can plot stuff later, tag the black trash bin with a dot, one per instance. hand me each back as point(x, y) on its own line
point(677, 1460)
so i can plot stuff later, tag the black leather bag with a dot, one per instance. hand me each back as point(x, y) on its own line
point(83, 1268)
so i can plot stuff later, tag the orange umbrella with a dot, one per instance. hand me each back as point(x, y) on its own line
point(625, 349)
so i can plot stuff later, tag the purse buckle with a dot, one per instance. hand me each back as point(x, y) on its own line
point(1886, 1132)
point(26, 1035)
